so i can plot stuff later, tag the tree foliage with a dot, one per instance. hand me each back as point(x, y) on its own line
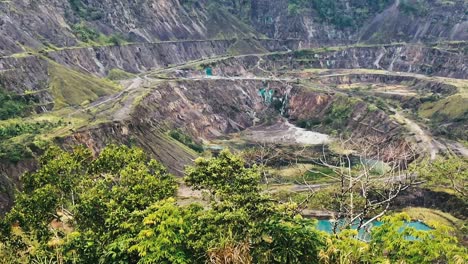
point(343, 14)
point(12, 105)
point(450, 171)
point(395, 242)
point(120, 207)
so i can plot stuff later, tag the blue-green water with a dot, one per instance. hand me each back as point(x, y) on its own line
point(364, 234)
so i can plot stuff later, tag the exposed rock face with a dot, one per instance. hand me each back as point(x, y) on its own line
point(139, 57)
point(432, 21)
point(409, 58)
point(206, 109)
point(31, 23)
point(29, 73)
point(436, 21)
point(148, 20)
point(41, 23)
point(362, 122)
point(440, 200)
point(149, 136)
point(9, 180)
point(401, 58)
point(271, 17)
point(38, 35)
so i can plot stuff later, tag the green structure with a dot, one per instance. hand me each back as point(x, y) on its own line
point(267, 95)
point(209, 71)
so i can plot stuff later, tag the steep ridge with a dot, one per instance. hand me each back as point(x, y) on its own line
point(61, 52)
point(410, 58)
point(38, 24)
point(42, 24)
point(344, 21)
point(31, 73)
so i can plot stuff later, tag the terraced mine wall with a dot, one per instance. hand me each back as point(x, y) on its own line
point(339, 114)
point(409, 58)
point(430, 21)
point(138, 58)
point(413, 82)
point(400, 58)
point(30, 73)
point(208, 109)
point(43, 23)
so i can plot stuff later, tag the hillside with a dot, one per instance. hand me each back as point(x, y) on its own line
point(302, 90)
point(48, 24)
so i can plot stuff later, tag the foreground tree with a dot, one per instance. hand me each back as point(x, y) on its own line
point(239, 208)
point(120, 208)
point(91, 197)
point(395, 242)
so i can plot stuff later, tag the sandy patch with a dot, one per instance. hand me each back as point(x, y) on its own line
point(284, 132)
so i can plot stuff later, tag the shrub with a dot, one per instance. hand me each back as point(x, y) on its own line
point(13, 105)
point(186, 140)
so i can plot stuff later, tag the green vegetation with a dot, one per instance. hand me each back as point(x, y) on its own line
point(70, 87)
point(337, 13)
point(14, 151)
point(401, 245)
point(336, 117)
point(339, 113)
point(118, 74)
point(433, 216)
point(301, 174)
point(452, 109)
point(90, 36)
point(414, 7)
point(85, 33)
point(449, 172)
point(12, 105)
point(222, 24)
point(120, 207)
point(186, 140)
point(82, 10)
point(14, 129)
point(20, 139)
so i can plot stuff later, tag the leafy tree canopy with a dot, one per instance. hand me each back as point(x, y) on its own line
point(120, 207)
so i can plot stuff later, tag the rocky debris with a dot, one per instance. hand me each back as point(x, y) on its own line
point(283, 132)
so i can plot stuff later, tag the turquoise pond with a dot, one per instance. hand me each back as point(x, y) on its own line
point(327, 226)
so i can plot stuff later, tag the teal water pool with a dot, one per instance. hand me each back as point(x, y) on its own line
point(364, 234)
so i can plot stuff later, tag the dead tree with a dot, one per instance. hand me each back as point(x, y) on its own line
point(263, 155)
point(368, 178)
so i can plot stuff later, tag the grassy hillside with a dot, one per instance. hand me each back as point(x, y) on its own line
point(72, 88)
